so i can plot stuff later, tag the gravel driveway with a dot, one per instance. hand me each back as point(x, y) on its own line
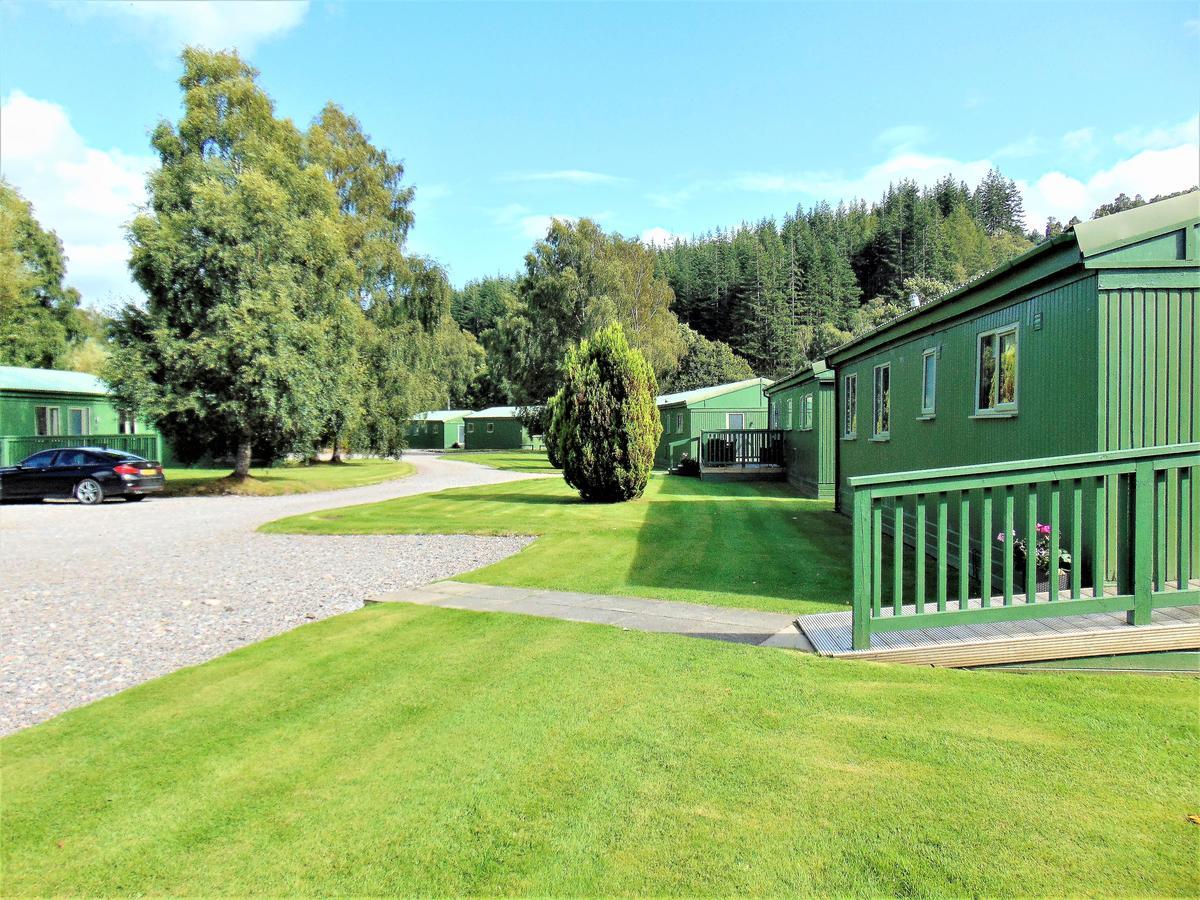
point(93, 601)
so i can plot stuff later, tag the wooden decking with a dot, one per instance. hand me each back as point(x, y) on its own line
point(1065, 637)
point(743, 472)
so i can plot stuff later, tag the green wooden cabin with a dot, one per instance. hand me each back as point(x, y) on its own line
point(438, 429)
point(734, 406)
point(1053, 402)
point(44, 408)
point(802, 407)
point(497, 428)
point(1088, 342)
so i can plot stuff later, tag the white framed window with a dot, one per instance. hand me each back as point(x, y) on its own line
point(47, 420)
point(126, 422)
point(806, 412)
point(735, 421)
point(679, 423)
point(787, 421)
point(470, 428)
point(850, 406)
point(775, 413)
point(491, 426)
point(881, 402)
point(929, 382)
point(997, 354)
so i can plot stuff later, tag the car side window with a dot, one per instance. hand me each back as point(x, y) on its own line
point(39, 460)
point(75, 458)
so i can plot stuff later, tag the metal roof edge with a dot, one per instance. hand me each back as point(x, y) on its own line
point(1136, 225)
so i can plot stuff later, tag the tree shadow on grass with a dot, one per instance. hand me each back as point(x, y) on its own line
point(751, 539)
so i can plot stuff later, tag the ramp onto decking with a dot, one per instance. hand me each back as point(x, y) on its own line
point(1066, 637)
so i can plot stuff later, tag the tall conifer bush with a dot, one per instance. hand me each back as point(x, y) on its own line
point(607, 424)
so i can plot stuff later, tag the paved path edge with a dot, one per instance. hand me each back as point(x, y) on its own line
point(742, 626)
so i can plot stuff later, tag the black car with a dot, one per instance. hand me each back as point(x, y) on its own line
point(89, 474)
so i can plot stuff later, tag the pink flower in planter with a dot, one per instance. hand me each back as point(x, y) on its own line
point(1043, 529)
point(1000, 537)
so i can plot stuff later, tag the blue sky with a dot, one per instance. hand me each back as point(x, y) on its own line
point(655, 119)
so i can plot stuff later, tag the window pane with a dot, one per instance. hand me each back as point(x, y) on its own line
point(1007, 389)
point(39, 460)
point(40, 421)
point(736, 420)
point(929, 379)
point(987, 372)
point(882, 405)
point(851, 403)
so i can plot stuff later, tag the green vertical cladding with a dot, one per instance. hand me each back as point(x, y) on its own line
point(1057, 389)
point(1150, 344)
point(685, 415)
point(1149, 340)
point(811, 454)
point(506, 432)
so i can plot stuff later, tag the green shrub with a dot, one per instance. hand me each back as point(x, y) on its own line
point(606, 422)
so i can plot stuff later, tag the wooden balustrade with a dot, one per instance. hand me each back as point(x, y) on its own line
point(962, 544)
point(741, 447)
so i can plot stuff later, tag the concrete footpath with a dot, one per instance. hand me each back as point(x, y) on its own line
point(743, 626)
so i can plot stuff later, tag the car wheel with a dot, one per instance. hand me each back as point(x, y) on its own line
point(88, 492)
point(134, 498)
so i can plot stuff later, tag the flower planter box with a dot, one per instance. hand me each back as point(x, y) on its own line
point(1064, 581)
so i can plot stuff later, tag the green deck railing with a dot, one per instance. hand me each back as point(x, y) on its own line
point(14, 448)
point(943, 547)
point(742, 447)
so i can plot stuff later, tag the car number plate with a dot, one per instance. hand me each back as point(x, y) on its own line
point(149, 471)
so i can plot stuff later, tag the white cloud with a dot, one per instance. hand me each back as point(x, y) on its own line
point(209, 23)
point(1148, 173)
point(84, 194)
point(1080, 143)
point(567, 176)
point(426, 197)
point(1055, 193)
point(675, 199)
point(535, 227)
point(902, 136)
point(660, 237)
point(1160, 138)
point(874, 181)
point(1031, 145)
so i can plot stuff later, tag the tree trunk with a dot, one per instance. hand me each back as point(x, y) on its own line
point(242, 466)
point(335, 455)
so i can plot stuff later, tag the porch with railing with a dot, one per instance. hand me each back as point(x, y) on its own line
point(758, 451)
point(941, 548)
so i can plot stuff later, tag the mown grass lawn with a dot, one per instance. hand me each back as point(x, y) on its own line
point(510, 460)
point(406, 750)
point(292, 479)
point(756, 546)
